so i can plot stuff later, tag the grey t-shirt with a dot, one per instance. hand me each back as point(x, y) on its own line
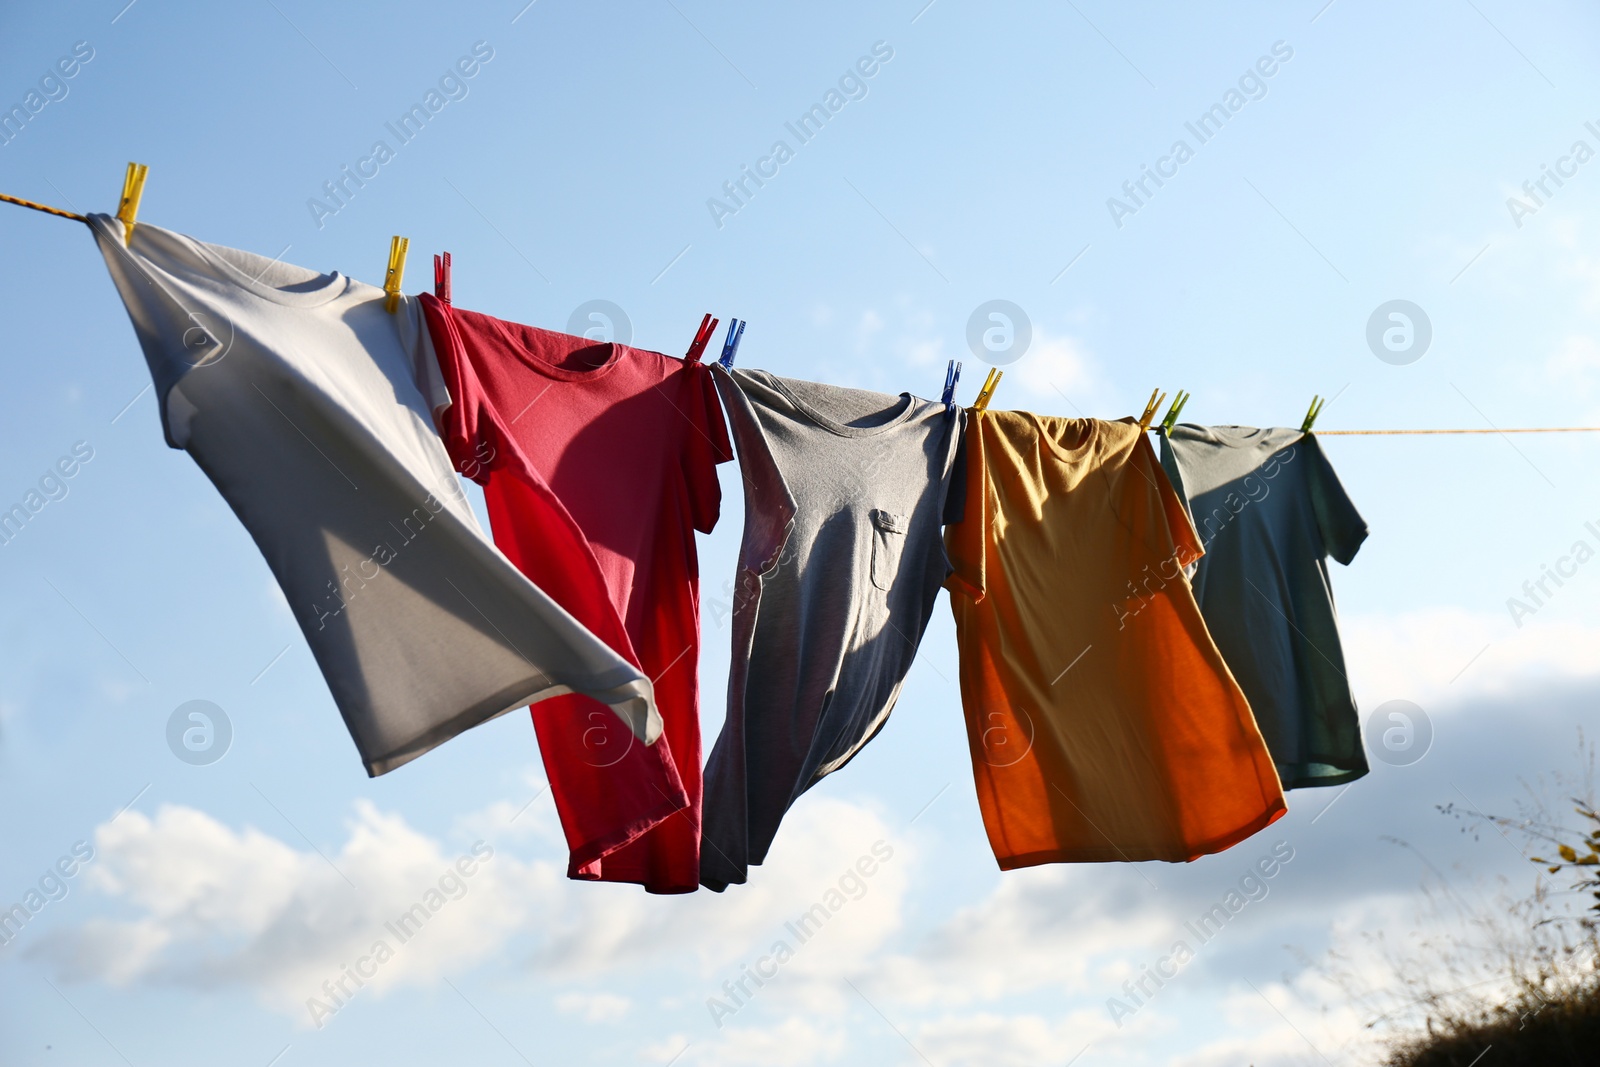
point(1270, 511)
point(842, 559)
point(298, 396)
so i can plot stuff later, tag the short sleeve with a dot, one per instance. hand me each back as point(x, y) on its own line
point(965, 539)
point(165, 319)
point(1169, 463)
point(418, 343)
point(467, 425)
point(706, 446)
point(769, 507)
point(1174, 473)
point(1342, 527)
point(1184, 539)
point(955, 495)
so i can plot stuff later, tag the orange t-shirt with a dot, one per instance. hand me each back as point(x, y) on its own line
point(1103, 722)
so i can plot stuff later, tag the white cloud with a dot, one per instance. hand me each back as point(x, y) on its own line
point(275, 602)
point(1574, 369)
point(595, 1007)
point(203, 904)
point(1392, 954)
point(918, 340)
point(1440, 657)
point(1578, 354)
point(217, 906)
point(1054, 366)
point(794, 1042)
point(868, 329)
point(1060, 370)
point(532, 815)
point(984, 1039)
point(607, 928)
point(1259, 1037)
point(668, 1050)
point(925, 354)
point(1040, 927)
point(1578, 266)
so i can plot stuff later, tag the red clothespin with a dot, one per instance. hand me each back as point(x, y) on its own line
point(697, 347)
point(441, 278)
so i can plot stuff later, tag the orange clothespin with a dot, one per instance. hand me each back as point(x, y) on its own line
point(991, 382)
point(132, 192)
point(398, 247)
point(1150, 408)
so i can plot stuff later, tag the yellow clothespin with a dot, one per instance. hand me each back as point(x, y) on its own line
point(1174, 411)
point(398, 247)
point(1312, 412)
point(982, 399)
point(990, 383)
point(132, 191)
point(1150, 408)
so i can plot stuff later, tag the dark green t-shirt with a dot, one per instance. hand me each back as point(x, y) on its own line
point(1270, 511)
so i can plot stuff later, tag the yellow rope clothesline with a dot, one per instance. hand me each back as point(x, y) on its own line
point(20, 202)
point(1520, 429)
point(47, 209)
point(127, 204)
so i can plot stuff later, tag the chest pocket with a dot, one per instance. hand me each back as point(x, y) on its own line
point(888, 543)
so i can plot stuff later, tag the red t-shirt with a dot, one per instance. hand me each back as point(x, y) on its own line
point(621, 446)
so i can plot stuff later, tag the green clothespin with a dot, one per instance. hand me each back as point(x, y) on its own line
point(1174, 411)
point(1312, 412)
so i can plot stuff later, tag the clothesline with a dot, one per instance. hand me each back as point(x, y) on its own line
point(20, 202)
point(822, 465)
point(47, 209)
point(1519, 429)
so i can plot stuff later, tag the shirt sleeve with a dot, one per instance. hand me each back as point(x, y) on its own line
point(1174, 472)
point(414, 336)
point(1169, 463)
point(467, 425)
point(1342, 527)
point(955, 499)
point(965, 539)
point(769, 508)
point(707, 445)
point(1184, 544)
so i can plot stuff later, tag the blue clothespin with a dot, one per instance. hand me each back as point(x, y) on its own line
point(731, 344)
point(952, 378)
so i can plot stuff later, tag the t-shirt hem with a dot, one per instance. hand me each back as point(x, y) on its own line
point(720, 874)
point(1332, 772)
point(509, 699)
point(429, 740)
point(659, 888)
point(598, 848)
point(1137, 854)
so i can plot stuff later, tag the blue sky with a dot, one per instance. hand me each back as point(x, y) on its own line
point(975, 163)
